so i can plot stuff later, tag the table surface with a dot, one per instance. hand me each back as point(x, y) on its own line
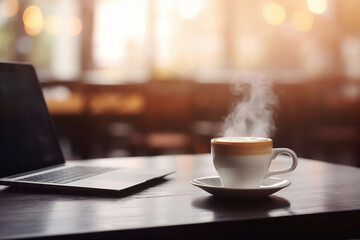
point(322, 201)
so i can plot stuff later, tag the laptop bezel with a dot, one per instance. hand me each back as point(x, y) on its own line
point(29, 68)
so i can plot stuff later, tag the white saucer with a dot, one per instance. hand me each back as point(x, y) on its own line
point(214, 186)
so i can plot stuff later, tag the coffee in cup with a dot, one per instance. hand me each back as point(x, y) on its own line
point(244, 162)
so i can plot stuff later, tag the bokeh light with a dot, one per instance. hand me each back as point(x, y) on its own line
point(317, 6)
point(274, 13)
point(302, 21)
point(33, 20)
point(9, 8)
point(75, 25)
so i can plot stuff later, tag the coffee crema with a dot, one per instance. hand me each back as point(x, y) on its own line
point(241, 145)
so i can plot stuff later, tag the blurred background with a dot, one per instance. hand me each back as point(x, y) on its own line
point(150, 77)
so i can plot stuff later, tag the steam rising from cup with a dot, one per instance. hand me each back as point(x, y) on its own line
point(253, 115)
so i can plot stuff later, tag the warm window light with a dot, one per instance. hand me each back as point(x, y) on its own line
point(251, 50)
point(117, 24)
point(317, 6)
point(33, 20)
point(302, 21)
point(53, 24)
point(9, 8)
point(274, 14)
point(189, 9)
point(75, 26)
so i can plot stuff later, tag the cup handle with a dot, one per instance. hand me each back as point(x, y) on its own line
point(275, 153)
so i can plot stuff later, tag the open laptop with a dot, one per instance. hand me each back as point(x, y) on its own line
point(30, 154)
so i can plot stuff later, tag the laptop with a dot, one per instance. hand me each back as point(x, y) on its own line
point(30, 153)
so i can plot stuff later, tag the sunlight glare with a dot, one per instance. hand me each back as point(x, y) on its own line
point(274, 14)
point(189, 9)
point(117, 23)
point(317, 6)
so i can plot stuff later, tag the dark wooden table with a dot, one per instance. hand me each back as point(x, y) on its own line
point(323, 201)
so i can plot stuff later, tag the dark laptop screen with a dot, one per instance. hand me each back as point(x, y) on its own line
point(27, 137)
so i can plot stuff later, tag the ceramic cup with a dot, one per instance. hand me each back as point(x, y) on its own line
point(244, 162)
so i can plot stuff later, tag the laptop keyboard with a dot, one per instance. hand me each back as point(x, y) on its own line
point(67, 175)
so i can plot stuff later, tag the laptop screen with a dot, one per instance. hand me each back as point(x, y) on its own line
point(27, 137)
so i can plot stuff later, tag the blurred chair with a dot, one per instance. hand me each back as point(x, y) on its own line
point(66, 103)
point(212, 103)
point(113, 115)
point(292, 116)
point(335, 124)
point(168, 117)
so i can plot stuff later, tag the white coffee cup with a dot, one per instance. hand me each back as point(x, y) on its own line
point(244, 162)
